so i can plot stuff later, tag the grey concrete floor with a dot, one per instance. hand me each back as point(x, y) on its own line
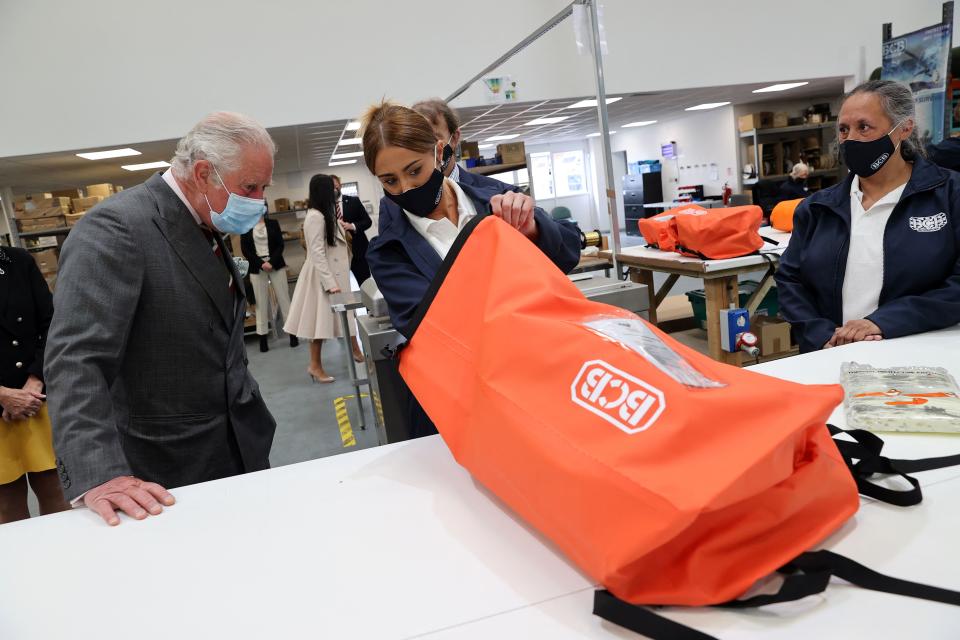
point(307, 426)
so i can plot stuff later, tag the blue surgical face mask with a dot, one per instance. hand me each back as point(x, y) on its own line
point(240, 214)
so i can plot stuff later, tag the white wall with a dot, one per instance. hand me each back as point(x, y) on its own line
point(702, 138)
point(101, 72)
point(658, 46)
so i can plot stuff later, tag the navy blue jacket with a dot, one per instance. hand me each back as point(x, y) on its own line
point(403, 262)
point(390, 210)
point(921, 271)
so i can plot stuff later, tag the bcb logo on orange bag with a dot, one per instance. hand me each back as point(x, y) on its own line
point(616, 396)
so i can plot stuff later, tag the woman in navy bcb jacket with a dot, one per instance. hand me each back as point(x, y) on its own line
point(446, 126)
point(401, 149)
point(875, 256)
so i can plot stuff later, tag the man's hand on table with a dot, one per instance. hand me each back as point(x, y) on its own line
point(854, 331)
point(133, 496)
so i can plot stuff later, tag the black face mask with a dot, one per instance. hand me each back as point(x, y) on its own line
point(336, 194)
point(866, 158)
point(447, 154)
point(423, 200)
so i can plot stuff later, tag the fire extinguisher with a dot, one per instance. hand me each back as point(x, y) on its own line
point(727, 192)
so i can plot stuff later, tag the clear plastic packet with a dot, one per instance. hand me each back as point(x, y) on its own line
point(916, 399)
point(634, 334)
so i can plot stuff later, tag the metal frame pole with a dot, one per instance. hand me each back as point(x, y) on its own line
point(605, 135)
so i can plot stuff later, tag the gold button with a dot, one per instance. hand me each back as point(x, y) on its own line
point(16, 344)
point(19, 365)
point(19, 319)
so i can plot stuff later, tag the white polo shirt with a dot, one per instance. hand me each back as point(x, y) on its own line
point(863, 278)
point(442, 233)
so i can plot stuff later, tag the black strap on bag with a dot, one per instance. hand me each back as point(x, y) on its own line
point(807, 575)
point(863, 458)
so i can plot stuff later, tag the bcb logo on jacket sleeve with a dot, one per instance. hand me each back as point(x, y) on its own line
point(621, 399)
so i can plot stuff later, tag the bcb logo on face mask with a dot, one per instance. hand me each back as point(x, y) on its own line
point(879, 161)
point(621, 399)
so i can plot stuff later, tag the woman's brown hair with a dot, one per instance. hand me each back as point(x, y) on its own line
point(389, 124)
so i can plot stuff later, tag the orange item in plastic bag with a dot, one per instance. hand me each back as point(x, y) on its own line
point(666, 476)
point(730, 232)
point(660, 231)
point(782, 215)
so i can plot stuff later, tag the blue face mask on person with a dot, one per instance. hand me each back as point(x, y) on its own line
point(240, 214)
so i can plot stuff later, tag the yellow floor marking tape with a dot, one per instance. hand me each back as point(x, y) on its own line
point(343, 420)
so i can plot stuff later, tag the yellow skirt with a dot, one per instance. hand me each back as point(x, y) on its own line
point(26, 446)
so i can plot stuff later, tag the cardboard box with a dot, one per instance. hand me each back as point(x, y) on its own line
point(281, 204)
point(773, 335)
point(760, 120)
point(104, 189)
point(41, 224)
point(39, 196)
point(49, 208)
point(67, 193)
point(47, 260)
point(82, 204)
point(781, 119)
point(74, 218)
point(816, 118)
point(512, 153)
point(469, 150)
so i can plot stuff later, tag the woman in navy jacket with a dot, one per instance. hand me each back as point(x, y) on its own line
point(401, 149)
point(848, 275)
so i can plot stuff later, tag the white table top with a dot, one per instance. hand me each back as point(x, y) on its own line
point(399, 542)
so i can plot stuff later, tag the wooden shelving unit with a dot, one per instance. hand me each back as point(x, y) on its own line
point(497, 168)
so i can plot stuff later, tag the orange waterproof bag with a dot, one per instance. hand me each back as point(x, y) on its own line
point(721, 233)
point(666, 476)
point(660, 231)
point(782, 215)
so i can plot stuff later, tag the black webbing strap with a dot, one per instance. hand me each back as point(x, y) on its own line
point(815, 567)
point(863, 458)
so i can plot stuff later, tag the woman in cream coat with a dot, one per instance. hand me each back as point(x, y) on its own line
point(325, 271)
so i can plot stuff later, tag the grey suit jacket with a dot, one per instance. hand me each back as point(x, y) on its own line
point(145, 366)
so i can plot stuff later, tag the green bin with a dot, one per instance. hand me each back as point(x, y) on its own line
point(770, 302)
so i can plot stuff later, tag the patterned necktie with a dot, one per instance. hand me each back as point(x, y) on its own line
point(219, 254)
point(339, 211)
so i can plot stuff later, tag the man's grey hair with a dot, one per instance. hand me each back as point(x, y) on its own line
point(220, 139)
point(799, 168)
point(897, 103)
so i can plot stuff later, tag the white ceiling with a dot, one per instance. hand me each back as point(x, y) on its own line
point(309, 146)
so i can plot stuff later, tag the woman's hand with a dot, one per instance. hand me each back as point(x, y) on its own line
point(855, 331)
point(333, 290)
point(34, 385)
point(266, 266)
point(347, 226)
point(20, 403)
point(516, 209)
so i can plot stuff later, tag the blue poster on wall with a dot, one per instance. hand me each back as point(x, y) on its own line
point(919, 60)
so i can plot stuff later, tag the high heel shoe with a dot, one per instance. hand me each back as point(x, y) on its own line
point(321, 379)
point(358, 357)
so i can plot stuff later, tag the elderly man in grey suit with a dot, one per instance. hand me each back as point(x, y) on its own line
point(145, 368)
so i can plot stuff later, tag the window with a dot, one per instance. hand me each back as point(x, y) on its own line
point(542, 172)
point(558, 175)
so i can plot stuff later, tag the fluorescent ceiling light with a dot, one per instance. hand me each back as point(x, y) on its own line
point(112, 153)
point(780, 87)
point(347, 141)
point(486, 146)
point(340, 162)
point(353, 125)
point(597, 134)
point(160, 164)
point(344, 156)
point(590, 102)
point(509, 136)
point(551, 120)
point(707, 105)
point(642, 123)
